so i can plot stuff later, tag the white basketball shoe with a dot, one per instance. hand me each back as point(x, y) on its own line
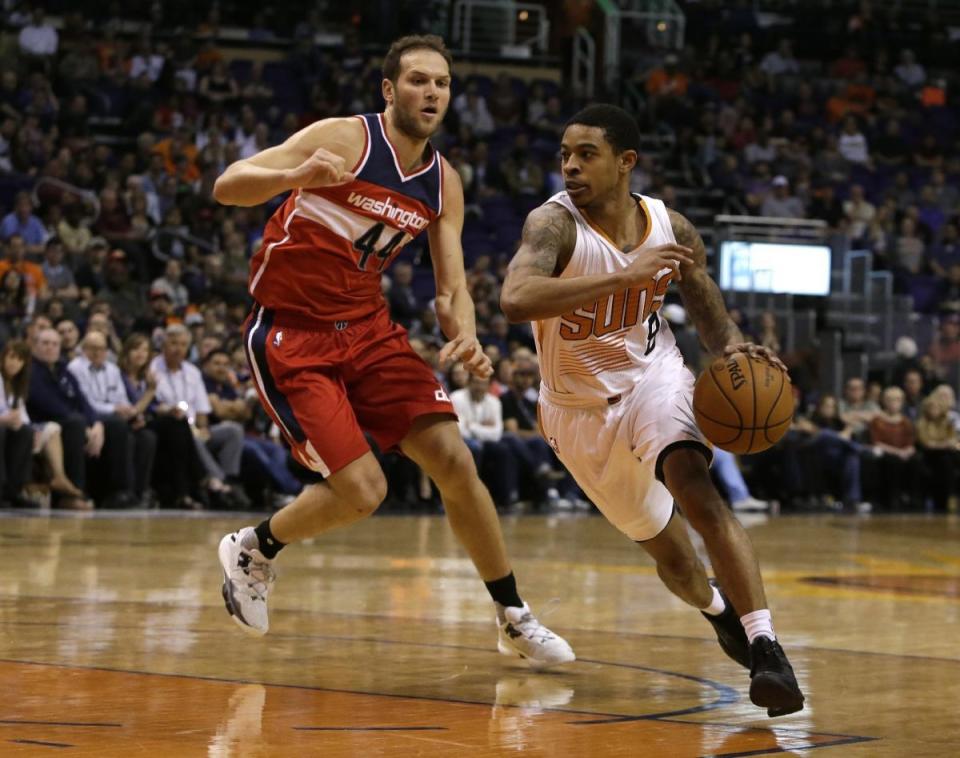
point(522, 635)
point(247, 576)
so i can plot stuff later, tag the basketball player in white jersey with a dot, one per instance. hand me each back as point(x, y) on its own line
point(616, 399)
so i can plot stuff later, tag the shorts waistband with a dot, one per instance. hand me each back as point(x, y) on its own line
point(289, 320)
point(568, 400)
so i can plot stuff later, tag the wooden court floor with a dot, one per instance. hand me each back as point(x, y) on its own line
point(114, 642)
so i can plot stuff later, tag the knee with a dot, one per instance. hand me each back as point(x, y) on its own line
point(364, 488)
point(452, 465)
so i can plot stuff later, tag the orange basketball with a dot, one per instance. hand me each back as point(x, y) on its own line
point(743, 404)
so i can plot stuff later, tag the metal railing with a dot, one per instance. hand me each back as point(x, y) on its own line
point(659, 24)
point(500, 28)
point(584, 63)
point(176, 235)
point(767, 228)
point(89, 198)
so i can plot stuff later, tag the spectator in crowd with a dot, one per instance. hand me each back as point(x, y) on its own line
point(780, 203)
point(16, 435)
point(909, 247)
point(838, 455)
point(940, 451)
point(780, 61)
point(56, 272)
point(945, 348)
point(265, 458)
point(404, 306)
point(38, 40)
point(181, 393)
point(913, 385)
point(892, 436)
point(91, 444)
point(102, 385)
point(17, 302)
point(20, 437)
point(908, 71)
point(859, 211)
point(480, 416)
point(538, 469)
point(856, 410)
point(178, 470)
point(21, 222)
point(472, 109)
point(70, 339)
point(852, 144)
point(32, 273)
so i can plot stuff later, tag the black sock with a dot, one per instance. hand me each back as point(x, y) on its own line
point(269, 545)
point(504, 591)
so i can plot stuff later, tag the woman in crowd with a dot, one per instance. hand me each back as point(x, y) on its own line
point(939, 449)
point(893, 466)
point(21, 438)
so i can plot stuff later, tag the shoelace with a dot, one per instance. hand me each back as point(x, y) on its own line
point(261, 575)
point(532, 628)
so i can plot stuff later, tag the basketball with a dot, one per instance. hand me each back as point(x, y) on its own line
point(743, 404)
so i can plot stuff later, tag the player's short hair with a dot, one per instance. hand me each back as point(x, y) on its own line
point(619, 127)
point(391, 62)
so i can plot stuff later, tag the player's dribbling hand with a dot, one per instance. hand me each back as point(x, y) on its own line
point(756, 351)
point(468, 350)
point(650, 262)
point(322, 169)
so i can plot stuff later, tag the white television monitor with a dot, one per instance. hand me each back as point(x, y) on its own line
point(774, 267)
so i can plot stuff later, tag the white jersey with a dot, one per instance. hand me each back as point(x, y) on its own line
point(604, 349)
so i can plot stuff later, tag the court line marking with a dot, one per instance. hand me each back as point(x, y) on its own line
point(786, 730)
point(429, 698)
point(371, 728)
point(616, 717)
point(386, 617)
point(777, 750)
point(42, 742)
point(24, 722)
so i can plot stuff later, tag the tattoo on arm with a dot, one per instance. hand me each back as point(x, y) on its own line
point(700, 294)
point(549, 236)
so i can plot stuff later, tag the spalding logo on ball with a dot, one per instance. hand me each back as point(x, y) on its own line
point(743, 404)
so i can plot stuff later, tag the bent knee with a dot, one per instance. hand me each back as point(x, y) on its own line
point(453, 466)
point(362, 485)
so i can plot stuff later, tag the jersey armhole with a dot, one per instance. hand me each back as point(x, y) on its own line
point(367, 144)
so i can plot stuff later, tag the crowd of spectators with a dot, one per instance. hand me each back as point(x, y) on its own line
point(123, 284)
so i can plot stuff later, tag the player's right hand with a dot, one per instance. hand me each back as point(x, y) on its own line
point(649, 263)
point(322, 169)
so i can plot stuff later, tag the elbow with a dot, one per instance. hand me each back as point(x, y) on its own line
point(221, 191)
point(513, 308)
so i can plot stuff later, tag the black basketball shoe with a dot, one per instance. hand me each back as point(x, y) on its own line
point(730, 633)
point(772, 683)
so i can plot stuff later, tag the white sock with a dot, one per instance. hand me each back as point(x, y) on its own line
point(758, 624)
point(717, 605)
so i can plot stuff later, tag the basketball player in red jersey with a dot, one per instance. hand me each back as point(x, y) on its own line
point(328, 362)
point(592, 270)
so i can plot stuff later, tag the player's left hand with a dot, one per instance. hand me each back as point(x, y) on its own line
point(756, 351)
point(467, 348)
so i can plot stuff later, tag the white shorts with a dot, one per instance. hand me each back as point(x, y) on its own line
point(615, 451)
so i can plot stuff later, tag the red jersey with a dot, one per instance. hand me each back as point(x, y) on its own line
point(324, 249)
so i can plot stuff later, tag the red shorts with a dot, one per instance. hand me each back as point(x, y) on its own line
point(326, 384)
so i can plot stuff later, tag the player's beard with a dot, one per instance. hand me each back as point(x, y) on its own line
point(411, 126)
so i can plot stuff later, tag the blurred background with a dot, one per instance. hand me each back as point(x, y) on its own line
point(813, 144)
